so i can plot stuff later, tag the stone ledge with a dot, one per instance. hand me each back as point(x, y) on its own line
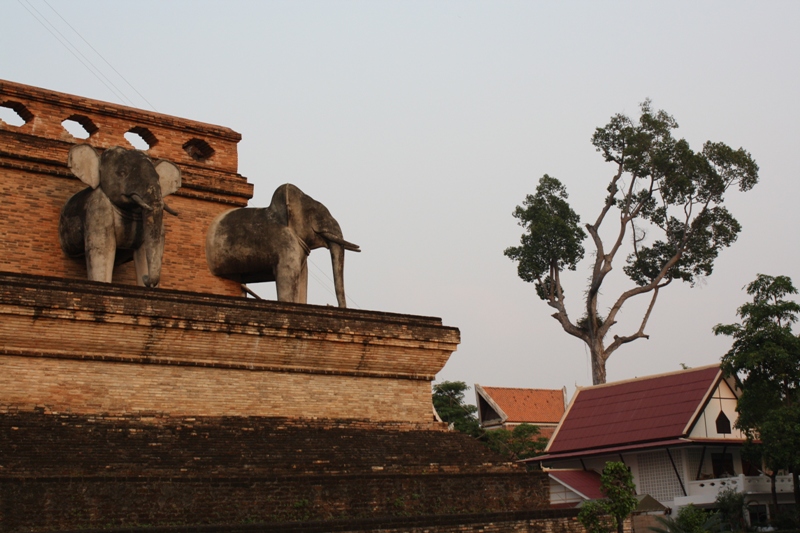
point(54, 317)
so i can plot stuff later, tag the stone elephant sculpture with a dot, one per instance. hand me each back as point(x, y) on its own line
point(253, 245)
point(120, 214)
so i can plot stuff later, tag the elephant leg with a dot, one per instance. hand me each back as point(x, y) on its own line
point(100, 252)
point(99, 237)
point(288, 274)
point(302, 283)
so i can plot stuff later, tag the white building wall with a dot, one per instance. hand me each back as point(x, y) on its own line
point(723, 399)
point(559, 494)
point(657, 476)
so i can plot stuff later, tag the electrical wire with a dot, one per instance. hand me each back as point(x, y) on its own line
point(328, 285)
point(100, 56)
point(72, 49)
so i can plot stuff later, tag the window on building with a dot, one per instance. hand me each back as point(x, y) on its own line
point(749, 469)
point(758, 515)
point(722, 463)
point(723, 424)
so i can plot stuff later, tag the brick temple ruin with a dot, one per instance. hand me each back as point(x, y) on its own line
point(130, 407)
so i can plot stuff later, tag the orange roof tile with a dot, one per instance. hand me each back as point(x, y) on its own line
point(528, 405)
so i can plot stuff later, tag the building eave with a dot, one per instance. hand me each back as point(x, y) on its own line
point(637, 447)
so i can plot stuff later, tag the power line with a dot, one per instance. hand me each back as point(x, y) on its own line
point(100, 56)
point(67, 46)
point(327, 286)
point(75, 51)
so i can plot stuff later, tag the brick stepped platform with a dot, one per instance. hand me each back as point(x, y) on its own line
point(85, 445)
point(67, 471)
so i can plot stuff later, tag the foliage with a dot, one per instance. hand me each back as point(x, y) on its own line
point(448, 400)
point(616, 483)
point(731, 505)
point(690, 519)
point(553, 239)
point(660, 187)
point(593, 516)
point(765, 359)
point(696, 520)
point(520, 443)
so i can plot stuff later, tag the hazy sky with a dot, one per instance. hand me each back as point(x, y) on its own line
point(421, 125)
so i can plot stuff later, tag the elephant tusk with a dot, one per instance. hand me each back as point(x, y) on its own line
point(338, 240)
point(138, 199)
point(169, 210)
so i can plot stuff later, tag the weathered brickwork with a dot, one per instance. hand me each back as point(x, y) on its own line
point(100, 387)
point(190, 408)
point(537, 521)
point(35, 183)
point(86, 471)
point(89, 347)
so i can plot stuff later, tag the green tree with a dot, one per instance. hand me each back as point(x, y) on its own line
point(669, 202)
point(616, 484)
point(519, 443)
point(731, 507)
point(690, 519)
point(765, 359)
point(448, 400)
point(593, 516)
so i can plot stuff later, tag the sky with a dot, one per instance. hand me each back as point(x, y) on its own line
point(421, 125)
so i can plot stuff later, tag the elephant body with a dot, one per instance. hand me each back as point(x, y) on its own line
point(272, 244)
point(120, 215)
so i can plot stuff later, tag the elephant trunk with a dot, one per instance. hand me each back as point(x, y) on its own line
point(337, 260)
point(153, 243)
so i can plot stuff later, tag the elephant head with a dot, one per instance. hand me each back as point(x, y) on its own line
point(316, 227)
point(122, 209)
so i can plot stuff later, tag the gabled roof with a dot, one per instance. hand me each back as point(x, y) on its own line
point(533, 406)
point(640, 410)
point(584, 483)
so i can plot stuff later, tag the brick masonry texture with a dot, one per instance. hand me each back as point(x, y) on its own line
point(190, 408)
point(90, 347)
point(537, 521)
point(79, 471)
point(35, 183)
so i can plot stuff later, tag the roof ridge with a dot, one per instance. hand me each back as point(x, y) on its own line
point(521, 388)
point(652, 376)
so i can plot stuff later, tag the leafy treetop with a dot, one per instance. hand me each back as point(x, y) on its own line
point(448, 400)
point(662, 189)
point(765, 359)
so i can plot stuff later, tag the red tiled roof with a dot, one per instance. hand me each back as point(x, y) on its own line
point(584, 482)
point(661, 444)
point(528, 405)
point(640, 410)
point(570, 505)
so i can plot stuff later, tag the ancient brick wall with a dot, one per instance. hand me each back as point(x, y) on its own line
point(87, 347)
point(63, 471)
point(187, 406)
point(35, 183)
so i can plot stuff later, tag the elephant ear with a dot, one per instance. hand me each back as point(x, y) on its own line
point(169, 177)
point(279, 206)
point(84, 162)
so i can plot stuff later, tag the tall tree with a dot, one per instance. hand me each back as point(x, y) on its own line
point(661, 188)
point(765, 358)
point(449, 402)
